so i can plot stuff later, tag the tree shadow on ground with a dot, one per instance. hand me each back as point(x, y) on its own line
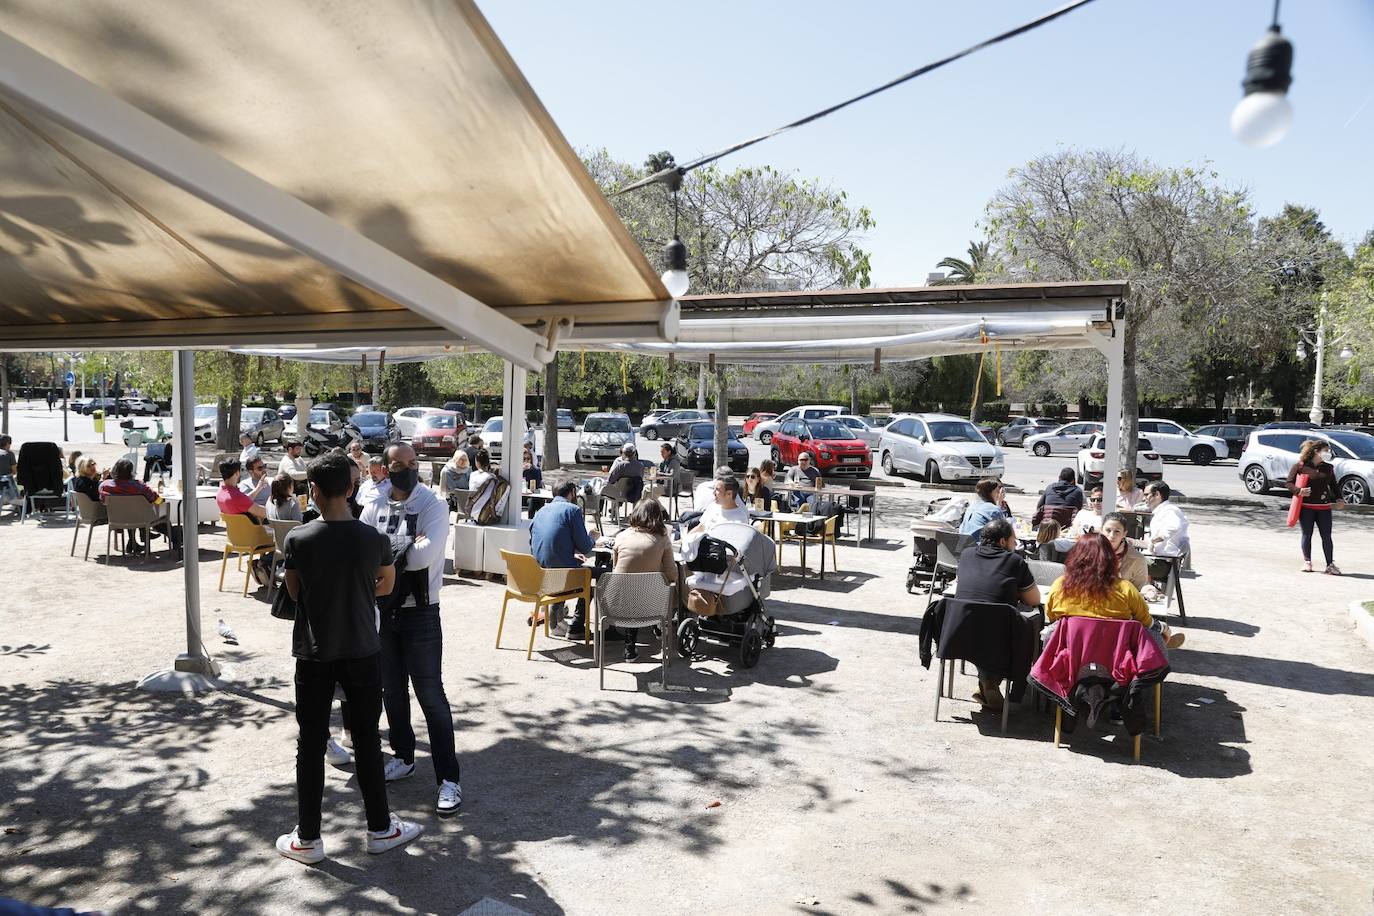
point(1221, 625)
point(1273, 672)
point(892, 896)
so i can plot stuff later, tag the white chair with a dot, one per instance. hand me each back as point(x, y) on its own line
point(130, 512)
point(280, 527)
point(633, 601)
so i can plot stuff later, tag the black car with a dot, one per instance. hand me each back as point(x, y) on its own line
point(696, 448)
point(111, 406)
point(287, 411)
point(1236, 435)
point(376, 429)
point(457, 407)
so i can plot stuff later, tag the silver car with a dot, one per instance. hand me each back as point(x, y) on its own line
point(602, 436)
point(860, 427)
point(1068, 439)
point(1271, 453)
point(1018, 428)
point(262, 423)
point(939, 447)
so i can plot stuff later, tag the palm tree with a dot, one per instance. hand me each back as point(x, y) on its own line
point(970, 271)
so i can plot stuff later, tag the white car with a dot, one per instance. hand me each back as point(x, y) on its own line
point(939, 447)
point(1173, 441)
point(1271, 453)
point(602, 436)
point(1148, 464)
point(1066, 440)
point(493, 434)
point(408, 418)
point(205, 417)
point(861, 428)
point(764, 431)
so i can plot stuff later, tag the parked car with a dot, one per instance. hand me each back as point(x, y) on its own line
point(324, 418)
point(111, 406)
point(836, 450)
point(1066, 439)
point(876, 420)
point(1271, 454)
point(1354, 428)
point(1018, 428)
point(1291, 424)
point(205, 417)
point(989, 433)
point(287, 411)
point(1148, 464)
point(1173, 441)
point(861, 428)
point(564, 419)
point(439, 432)
point(654, 414)
point(765, 429)
point(407, 418)
point(139, 407)
point(939, 447)
point(602, 436)
point(262, 423)
point(1236, 436)
point(695, 448)
point(493, 434)
point(672, 425)
point(755, 419)
point(376, 428)
point(366, 408)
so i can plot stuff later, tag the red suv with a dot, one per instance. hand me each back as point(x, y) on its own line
point(438, 433)
point(835, 450)
point(755, 419)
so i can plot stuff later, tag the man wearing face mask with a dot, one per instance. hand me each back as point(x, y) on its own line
point(415, 518)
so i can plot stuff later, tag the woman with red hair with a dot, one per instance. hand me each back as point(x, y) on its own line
point(1091, 587)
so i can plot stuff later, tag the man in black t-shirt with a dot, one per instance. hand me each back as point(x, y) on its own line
point(994, 572)
point(335, 568)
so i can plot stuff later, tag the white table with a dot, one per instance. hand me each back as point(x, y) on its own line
point(208, 513)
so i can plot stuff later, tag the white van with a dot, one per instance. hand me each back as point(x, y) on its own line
point(764, 431)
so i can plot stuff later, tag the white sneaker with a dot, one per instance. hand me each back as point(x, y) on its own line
point(450, 797)
point(291, 846)
point(335, 755)
point(398, 834)
point(396, 768)
point(347, 740)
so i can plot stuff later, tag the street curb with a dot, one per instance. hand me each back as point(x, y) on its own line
point(1279, 505)
point(1364, 622)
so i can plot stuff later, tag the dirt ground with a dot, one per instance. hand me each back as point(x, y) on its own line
point(838, 792)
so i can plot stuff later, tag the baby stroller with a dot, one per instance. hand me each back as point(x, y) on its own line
point(943, 514)
point(746, 560)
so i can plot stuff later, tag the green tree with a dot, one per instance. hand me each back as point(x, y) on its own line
point(967, 271)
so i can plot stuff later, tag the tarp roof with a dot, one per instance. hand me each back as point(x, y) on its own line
point(406, 123)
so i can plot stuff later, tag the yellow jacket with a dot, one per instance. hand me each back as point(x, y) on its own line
point(1123, 602)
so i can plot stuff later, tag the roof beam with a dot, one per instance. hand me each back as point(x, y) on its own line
point(131, 133)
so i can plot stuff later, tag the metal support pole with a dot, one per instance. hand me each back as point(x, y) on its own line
point(513, 438)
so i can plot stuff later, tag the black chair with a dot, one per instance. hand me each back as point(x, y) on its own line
point(157, 459)
point(982, 633)
point(948, 546)
point(40, 475)
point(1137, 524)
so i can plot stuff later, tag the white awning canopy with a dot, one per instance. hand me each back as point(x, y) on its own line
point(316, 172)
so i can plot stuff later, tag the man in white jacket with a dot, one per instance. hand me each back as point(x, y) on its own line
point(416, 519)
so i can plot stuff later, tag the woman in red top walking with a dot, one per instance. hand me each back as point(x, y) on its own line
point(1318, 498)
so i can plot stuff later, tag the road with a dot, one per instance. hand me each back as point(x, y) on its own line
point(32, 421)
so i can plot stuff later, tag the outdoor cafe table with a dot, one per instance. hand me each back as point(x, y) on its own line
point(796, 518)
point(172, 501)
point(871, 496)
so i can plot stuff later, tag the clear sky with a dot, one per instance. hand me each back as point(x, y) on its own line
point(1156, 76)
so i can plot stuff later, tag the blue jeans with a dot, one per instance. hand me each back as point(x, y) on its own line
point(412, 652)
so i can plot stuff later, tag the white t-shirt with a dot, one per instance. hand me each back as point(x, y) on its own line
point(715, 514)
point(1169, 523)
point(247, 455)
point(1085, 519)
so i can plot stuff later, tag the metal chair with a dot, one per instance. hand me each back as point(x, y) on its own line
point(802, 534)
point(948, 546)
point(984, 616)
point(244, 538)
point(1045, 572)
point(527, 581)
point(279, 527)
point(89, 513)
point(682, 484)
point(633, 600)
point(131, 512)
point(614, 495)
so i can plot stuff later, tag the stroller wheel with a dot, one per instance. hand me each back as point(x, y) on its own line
point(910, 581)
point(750, 648)
point(687, 635)
point(770, 635)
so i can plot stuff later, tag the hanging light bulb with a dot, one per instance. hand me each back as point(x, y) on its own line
point(1302, 351)
point(675, 278)
point(1263, 117)
point(1347, 353)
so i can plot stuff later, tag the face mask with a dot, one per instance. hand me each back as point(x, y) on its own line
point(404, 480)
point(1323, 455)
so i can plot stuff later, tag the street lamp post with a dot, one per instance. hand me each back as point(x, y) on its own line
point(1318, 343)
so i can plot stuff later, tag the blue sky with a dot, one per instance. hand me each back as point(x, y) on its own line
point(1159, 77)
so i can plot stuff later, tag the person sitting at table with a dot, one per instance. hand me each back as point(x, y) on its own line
point(1092, 587)
point(1089, 518)
point(1045, 537)
point(87, 479)
point(668, 464)
point(293, 464)
point(72, 461)
point(768, 474)
point(455, 473)
point(231, 500)
point(282, 505)
point(725, 506)
point(1129, 498)
point(643, 546)
point(628, 469)
point(248, 450)
point(1131, 566)
point(122, 482)
point(481, 475)
point(705, 493)
point(994, 572)
point(257, 485)
point(378, 483)
point(355, 454)
point(474, 445)
point(1061, 500)
point(985, 507)
point(804, 474)
point(559, 539)
point(1168, 536)
point(529, 463)
point(755, 493)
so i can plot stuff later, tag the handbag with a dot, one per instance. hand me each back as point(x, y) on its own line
point(712, 557)
point(283, 605)
point(1295, 507)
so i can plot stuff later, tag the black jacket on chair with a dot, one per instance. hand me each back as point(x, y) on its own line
point(993, 636)
point(40, 468)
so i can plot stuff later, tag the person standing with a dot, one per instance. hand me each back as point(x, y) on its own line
point(1318, 497)
point(416, 520)
point(335, 568)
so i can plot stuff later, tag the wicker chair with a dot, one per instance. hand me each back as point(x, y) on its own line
point(89, 513)
point(527, 581)
point(279, 527)
point(633, 600)
point(131, 512)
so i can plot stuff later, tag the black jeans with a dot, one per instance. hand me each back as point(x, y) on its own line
point(412, 652)
point(361, 680)
point(1322, 519)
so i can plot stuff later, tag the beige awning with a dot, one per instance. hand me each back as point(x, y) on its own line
point(405, 123)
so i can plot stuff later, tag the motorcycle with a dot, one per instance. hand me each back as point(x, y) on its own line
point(318, 441)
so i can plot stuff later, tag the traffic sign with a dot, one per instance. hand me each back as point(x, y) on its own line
point(71, 379)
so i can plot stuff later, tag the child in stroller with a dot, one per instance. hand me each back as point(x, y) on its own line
point(731, 575)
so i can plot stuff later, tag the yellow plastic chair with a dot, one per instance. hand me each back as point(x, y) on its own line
point(1135, 751)
point(244, 539)
point(799, 534)
point(527, 581)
